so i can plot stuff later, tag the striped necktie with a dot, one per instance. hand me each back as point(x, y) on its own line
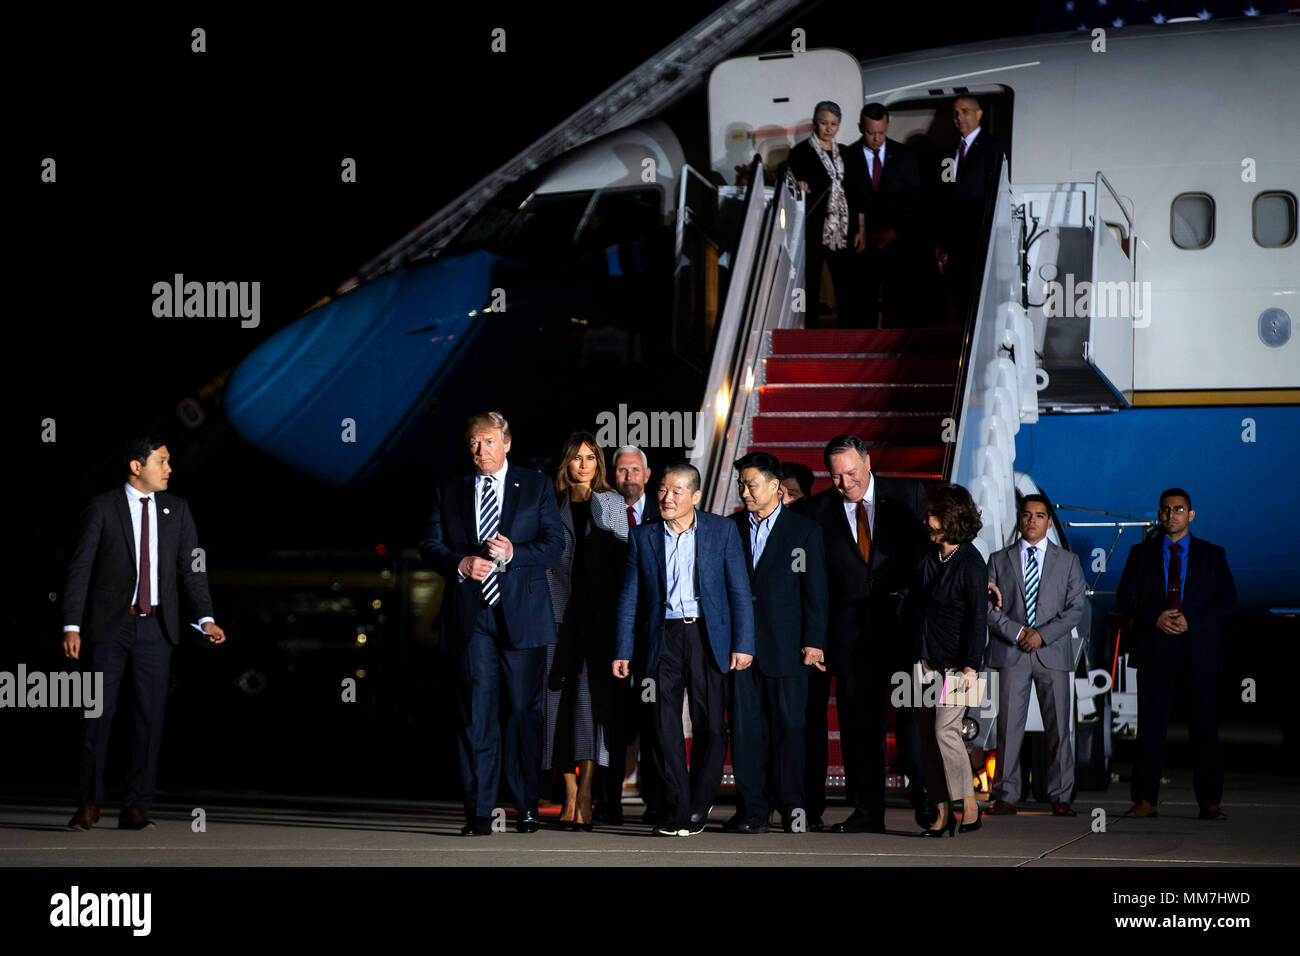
point(1031, 585)
point(489, 517)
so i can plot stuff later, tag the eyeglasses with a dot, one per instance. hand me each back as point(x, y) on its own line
point(1176, 509)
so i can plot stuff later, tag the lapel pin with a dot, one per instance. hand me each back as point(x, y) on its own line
point(516, 484)
point(167, 511)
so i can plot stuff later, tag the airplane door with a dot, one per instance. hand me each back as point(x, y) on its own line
point(1117, 305)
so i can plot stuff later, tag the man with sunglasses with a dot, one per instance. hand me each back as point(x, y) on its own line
point(1177, 589)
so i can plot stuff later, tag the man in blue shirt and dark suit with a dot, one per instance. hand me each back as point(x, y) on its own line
point(1177, 589)
point(685, 618)
point(491, 536)
point(787, 558)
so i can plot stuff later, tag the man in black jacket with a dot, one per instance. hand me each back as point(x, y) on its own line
point(888, 181)
point(1177, 589)
point(787, 563)
point(134, 556)
point(875, 537)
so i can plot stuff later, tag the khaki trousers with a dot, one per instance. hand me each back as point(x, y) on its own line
point(947, 766)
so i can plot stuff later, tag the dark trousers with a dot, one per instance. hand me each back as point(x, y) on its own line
point(686, 664)
point(1157, 690)
point(140, 644)
point(816, 756)
point(886, 280)
point(500, 705)
point(620, 728)
point(841, 265)
point(767, 741)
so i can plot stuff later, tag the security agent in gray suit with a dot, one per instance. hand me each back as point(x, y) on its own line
point(1029, 641)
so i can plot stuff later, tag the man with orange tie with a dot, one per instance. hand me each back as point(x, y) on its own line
point(1177, 589)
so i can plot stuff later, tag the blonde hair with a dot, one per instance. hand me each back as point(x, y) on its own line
point(487, 420)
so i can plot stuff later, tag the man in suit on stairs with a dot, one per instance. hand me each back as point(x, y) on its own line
point(1029, 643)
point(787, 563)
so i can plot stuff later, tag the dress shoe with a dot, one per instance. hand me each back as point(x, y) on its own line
point(949, 828)
point(1143, 808)
point(732, 822)
point(478, 826)
point(970, 827)
point(1212, 811)
point(753, 825)
point(926, 815)
point(1063, 810)
point(133, 818)
point(859, 822)
point(702, 818)
point(1000, 808)
point(529, 822)
point(87, 816)
point(816, 825)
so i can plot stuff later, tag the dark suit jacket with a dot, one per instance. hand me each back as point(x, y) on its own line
point(898, 544)
point(530, 519)
point(897, 205)
point(1209, 595)
point(100, 582)
point(651, 512)
point(961, 203)
point(789, 591)
point(722, 583)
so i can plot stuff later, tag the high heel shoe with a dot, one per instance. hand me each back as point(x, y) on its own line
point(979, 815)
point(949, 828)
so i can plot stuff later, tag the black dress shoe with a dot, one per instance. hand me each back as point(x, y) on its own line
point(859, 822)
point(133, 818)
point(528, 822)
point(815, 825)
point(733, 821)
point(950, 828)
point(479, 826)
point(87, 816)
point(968, 827)
point(753, 825)
point(926, 815)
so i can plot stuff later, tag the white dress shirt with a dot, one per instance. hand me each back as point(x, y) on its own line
point(638, 509)
point(499, 488)
point(869, 499)
point(871, 159)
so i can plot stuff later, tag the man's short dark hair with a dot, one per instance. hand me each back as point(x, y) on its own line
point(139, 449)
point(801, 473)
point(769, 466)
point(842, 443)
point(684, 468)
point(1176, 493)
point(874, 112)
point(968, 96)
point(1039, 499)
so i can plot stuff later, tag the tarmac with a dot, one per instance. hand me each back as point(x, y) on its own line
point(264, 830)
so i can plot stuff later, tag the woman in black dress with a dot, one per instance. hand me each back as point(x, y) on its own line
point(818, 167)
point(584, 584)
point(950, 608)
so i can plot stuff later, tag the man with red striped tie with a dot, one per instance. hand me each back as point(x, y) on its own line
point(1177, 589)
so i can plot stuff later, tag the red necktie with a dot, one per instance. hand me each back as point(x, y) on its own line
point(961, 151)
point(1175, 578)
point(145, 601)
point(631, 517)
point(875, 171)
point(864, 533)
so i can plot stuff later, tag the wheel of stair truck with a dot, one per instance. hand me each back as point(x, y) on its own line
point(1092, 748)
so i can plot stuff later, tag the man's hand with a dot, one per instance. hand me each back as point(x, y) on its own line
point(475, 568)
point(803, 187)
point(941, 257)
point(500, 548)
point(1171, 622)
point(740, 661)
point(1030, 640)
point(215, 634)
point(622, 669)
point(995, 596)
point(860, 241)
point(814, 657)
point(72, 645)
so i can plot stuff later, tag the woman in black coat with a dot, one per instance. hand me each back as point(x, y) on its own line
point(818, 167)
point(950, 610)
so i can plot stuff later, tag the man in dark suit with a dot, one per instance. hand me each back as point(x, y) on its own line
point(968, 172)
point(491, 535)
point(888, 181)
point(631, 471)
point(685, 618)
point(875, 537)
point(1177, 589)
point(787, 562)
point(1029, 643)
point(134, 556)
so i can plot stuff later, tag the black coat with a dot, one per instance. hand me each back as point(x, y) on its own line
point(961, 203)
point(806, 167)
point(789, 591)
point(898, 204)
point(100, 582)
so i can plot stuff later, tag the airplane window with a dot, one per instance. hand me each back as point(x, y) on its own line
point(1191, 220)
point(1273, 218)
